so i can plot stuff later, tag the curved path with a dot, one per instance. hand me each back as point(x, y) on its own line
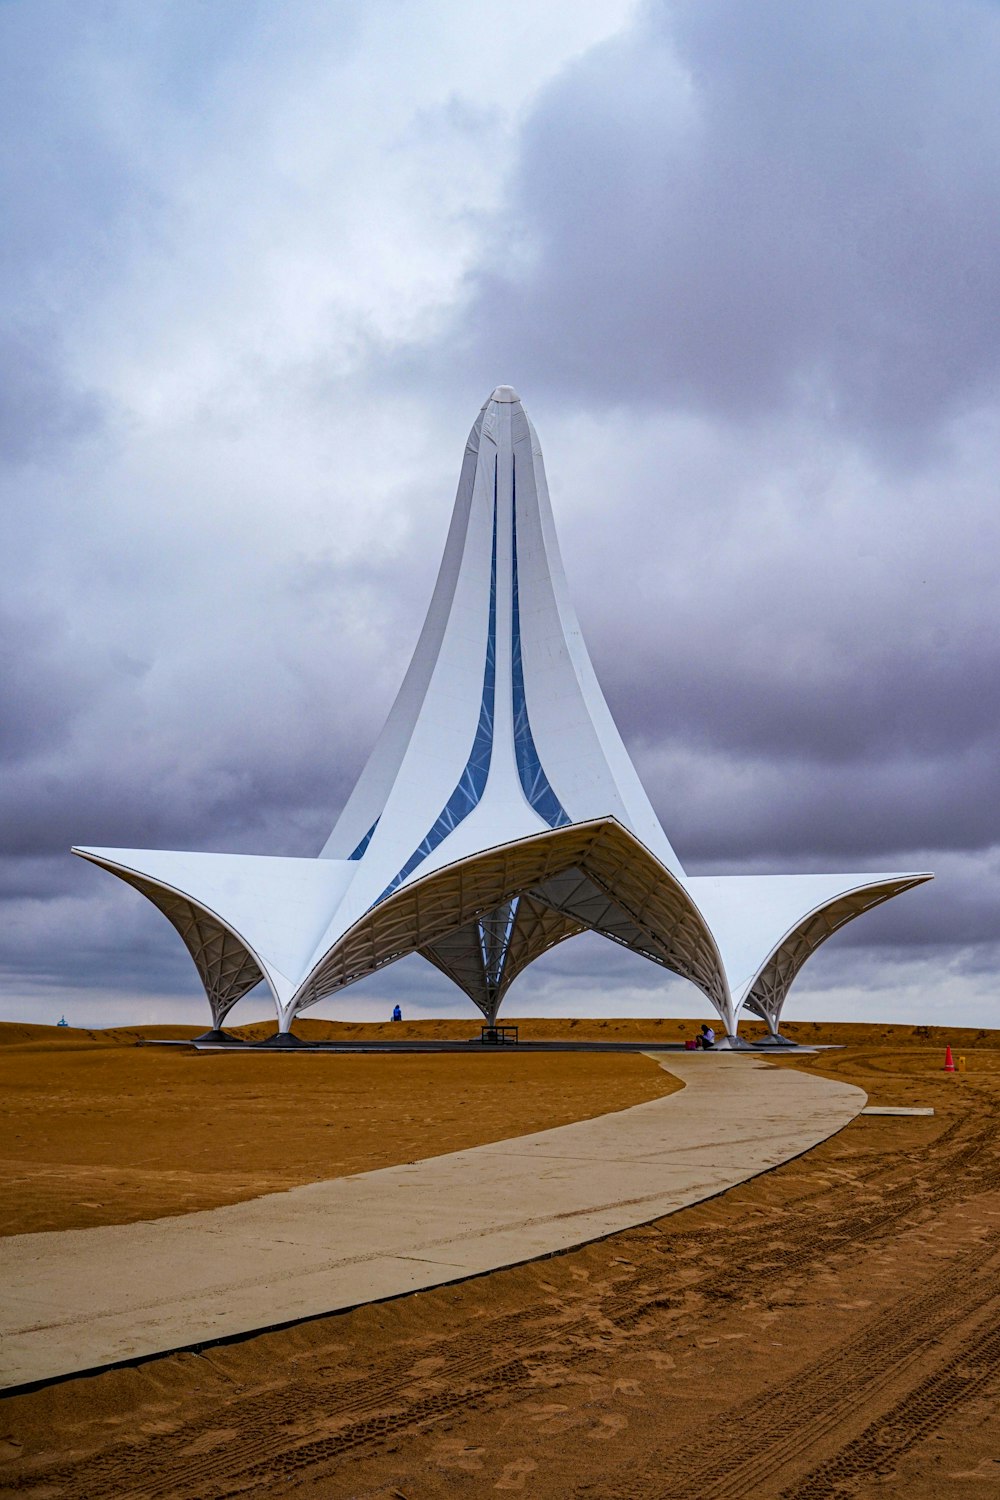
point(84, 1299)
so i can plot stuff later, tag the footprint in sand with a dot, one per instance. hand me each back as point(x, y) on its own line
point(608, 1427)
point(546, 1412)
point(208, 1441)
point(454, 1454)
point(556, 1418)
point(515, 1475)
point(661, 1361)
point(987, 1468)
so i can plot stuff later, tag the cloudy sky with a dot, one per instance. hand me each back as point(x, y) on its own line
point(261, 265)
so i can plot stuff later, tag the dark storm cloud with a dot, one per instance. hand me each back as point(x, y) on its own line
point(40, 410)
point(742, 809)
point(112, 772)
point(957, 911)
point(844, 677)
point(736, 208)
point(746, 282)
point(170, 738)
point(44, 686)
point(108, 936)
point(782, 225)
point(808, 662)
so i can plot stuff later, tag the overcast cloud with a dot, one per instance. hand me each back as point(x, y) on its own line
point(261, 266)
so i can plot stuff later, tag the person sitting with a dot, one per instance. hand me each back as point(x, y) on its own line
point(397, 1014)
point(706, 1040)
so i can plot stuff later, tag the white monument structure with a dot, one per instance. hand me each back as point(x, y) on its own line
point(499, 812)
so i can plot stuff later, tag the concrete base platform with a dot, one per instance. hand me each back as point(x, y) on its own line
point(84, 1300)
point(290, 1042)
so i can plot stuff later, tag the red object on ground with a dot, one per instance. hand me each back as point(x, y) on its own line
point(949, 1061)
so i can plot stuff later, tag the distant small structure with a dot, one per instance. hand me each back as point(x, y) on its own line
point(62, 1021)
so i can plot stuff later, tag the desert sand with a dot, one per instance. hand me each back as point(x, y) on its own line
point(79, 1301)
point(828, 1329)
point(95, 1130)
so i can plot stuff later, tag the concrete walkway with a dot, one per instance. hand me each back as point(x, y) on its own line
point(81, 1300)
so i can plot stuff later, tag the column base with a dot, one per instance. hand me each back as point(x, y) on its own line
point(283, 1040)
point(216, 1037)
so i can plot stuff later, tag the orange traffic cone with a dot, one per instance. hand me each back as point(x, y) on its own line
point(949, 1061)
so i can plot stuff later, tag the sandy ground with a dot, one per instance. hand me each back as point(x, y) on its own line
point(95, 1130)
point(830, 1329)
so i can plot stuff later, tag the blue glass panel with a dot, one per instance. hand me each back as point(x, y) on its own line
point(534, 781)
point(494, 939)
point(472, 782)
point(364, 842)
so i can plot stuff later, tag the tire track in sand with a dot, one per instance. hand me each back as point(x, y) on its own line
point(801, 1412)
point(536, 1339)
point(875, 1451)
